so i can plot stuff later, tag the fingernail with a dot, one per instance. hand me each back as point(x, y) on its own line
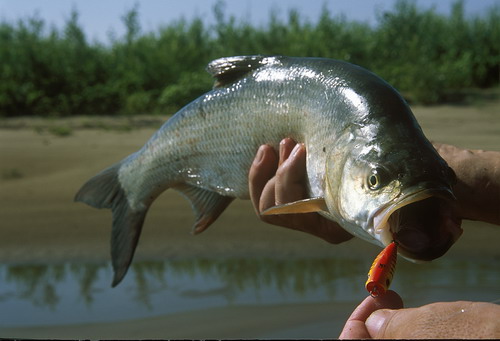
point(377, 320)
point(284, 141)
point(296, 149)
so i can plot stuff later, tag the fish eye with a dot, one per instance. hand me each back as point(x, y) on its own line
point(375, 179)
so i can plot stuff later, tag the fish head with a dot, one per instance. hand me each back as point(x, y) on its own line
point(402, 195)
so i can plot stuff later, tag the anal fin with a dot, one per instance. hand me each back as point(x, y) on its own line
point(207, 205)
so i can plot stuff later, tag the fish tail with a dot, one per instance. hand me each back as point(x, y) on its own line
point(105, 191)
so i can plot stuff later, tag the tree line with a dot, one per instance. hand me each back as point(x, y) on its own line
point(48, 71)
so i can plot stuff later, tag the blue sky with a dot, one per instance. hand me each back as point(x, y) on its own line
point(99, 17)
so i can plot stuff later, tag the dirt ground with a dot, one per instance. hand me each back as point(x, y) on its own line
point(40, 172)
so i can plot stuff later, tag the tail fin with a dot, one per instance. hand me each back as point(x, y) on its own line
point(105, 191)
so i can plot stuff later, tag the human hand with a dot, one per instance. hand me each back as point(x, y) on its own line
point(478, 181)
point(276, 180)
point(383, 317)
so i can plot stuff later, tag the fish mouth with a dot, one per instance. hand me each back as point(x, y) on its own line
point(424, 224)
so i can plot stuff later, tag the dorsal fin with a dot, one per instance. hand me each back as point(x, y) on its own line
point(230, 69)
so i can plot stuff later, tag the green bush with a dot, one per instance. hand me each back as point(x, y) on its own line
point(46, 71)
point(190, 85)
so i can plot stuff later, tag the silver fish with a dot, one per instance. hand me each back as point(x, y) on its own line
point(370, 167)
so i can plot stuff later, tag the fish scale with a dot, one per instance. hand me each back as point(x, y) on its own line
point(230, 138)
point(348, 118)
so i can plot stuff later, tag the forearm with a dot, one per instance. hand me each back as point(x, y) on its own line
point(478, 181)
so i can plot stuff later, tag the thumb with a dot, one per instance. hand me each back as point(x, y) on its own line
point(377, 322)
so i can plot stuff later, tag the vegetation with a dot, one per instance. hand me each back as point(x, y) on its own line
point(47, 71)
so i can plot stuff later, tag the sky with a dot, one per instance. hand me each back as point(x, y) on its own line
point(99, 17)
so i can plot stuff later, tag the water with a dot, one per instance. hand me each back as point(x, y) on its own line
point(77, 293)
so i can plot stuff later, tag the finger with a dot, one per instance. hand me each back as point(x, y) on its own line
point(268, 199)
point(268, 196)
point(262, 170)
point(289, 185)
point(354, 329)
point(290, 177)
point(261, 174)
point(391, 300)
point(285, 148)
point(293, 187)
point(355, 326)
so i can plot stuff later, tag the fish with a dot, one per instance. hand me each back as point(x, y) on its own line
point(382, 271)
point(370, 167)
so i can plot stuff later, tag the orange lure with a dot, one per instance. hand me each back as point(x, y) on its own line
point(382, 271)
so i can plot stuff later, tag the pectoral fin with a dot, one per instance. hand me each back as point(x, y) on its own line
point(302, 206)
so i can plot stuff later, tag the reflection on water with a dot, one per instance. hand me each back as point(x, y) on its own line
point(40, 284)
point(79, 293)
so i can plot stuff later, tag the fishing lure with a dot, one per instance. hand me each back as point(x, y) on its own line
point(382, 271)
